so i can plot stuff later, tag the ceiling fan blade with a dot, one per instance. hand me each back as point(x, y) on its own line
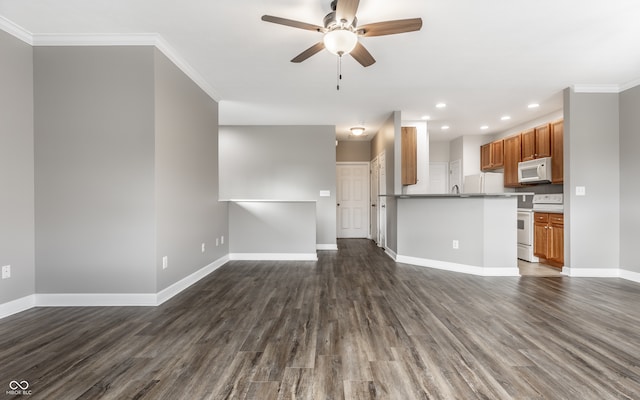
point(346, 9)
point(292, 23)
point(390, 27)
point(362, 55)
point(308, 52)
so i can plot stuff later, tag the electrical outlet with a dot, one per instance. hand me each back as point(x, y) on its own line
point(165, 262)
point(456, 244)
point(203, 247)
point(581, 191)
point(6, 272)
point(221, 239)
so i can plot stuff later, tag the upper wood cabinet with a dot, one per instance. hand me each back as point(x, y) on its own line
point(409, 137)
point(557, 152)
point(536, 142)
point(492, 155)
point(512, 156)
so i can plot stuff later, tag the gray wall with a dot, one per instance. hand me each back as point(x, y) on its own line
point(272, 227)
point(186, 168)
point(353, 151)
point(282, 163)
point(16, 168)
point(94, 169)
point(592, 159)
point(630, 183)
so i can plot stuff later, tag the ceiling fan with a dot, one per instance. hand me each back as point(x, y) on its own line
point(341, 31)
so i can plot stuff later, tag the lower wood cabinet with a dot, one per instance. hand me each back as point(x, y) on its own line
point(548, 240)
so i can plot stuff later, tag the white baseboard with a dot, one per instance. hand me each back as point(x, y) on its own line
point(108, 299)
point(630, 275)
point(16, 306)
point(391, 253)
point(326, 246)
point(184, 283)
point(274, 256)
point(461, 268)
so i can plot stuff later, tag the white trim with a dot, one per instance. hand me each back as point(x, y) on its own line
point(320, 246)
point(592, 272)
point(629, 85)
point(461, 268)
point(630, 275)
point(604, 88)
point(97, 39)
point(112, 39)
point(108, 299)
point(391, 253)
point(184, 283)
point(274, 256)
point(16, 306)
point(16, 31)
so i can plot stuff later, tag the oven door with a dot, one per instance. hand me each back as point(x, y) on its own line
point(525, 228)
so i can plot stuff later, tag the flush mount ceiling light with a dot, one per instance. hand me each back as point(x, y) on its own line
point(444, 127)
point(533, 105)
point(505, 118)
point(441, 105)
point(357, 130)
point(426, 117)
point(484, 127)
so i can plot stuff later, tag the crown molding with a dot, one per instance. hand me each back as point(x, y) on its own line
point(112, 39)
point(16, 30)
point(629, 84)
point(581, 88)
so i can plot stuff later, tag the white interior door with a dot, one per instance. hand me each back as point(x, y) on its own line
point(374, 200)
point(353, 200)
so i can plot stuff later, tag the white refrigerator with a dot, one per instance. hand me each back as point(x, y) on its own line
point(485, 182)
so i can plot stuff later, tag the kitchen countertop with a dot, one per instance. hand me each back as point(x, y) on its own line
point(455, 195)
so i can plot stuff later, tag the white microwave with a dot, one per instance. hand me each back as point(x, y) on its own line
point(535, 171)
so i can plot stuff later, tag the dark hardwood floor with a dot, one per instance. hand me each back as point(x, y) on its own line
point(353, 325)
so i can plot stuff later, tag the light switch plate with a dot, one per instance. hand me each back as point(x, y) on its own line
point(581, 191)
point(6, 272)
point(325, 193)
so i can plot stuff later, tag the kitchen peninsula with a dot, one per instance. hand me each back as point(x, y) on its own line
point(469, 233)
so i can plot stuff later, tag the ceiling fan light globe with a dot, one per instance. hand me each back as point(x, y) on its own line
point(340, 41)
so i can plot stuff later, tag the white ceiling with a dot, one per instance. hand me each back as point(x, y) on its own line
point(484, 58)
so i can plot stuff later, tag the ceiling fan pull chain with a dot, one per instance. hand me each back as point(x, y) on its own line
point(339, 71)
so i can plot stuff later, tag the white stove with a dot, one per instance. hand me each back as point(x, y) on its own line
point(553, 202)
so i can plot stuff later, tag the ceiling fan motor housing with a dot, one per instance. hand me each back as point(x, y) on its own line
point(330, 22)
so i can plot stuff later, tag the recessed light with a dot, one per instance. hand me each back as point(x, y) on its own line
point(441, 105)
point(533, 105)
point(444, 127)
point(426, 117)
point(484, 127)
point(505, 118)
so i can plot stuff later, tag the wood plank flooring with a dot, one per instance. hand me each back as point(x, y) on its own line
point(353, 325)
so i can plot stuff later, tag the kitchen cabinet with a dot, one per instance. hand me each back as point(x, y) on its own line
point(409, 150)
point(536, 142)
point(512, 156)
point(557, 152)
point(548, 238)
point(492, 155)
